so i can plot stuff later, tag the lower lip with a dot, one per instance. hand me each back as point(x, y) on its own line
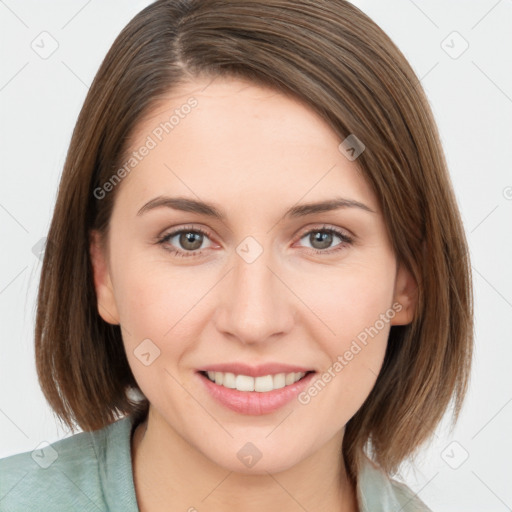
point(254, 402)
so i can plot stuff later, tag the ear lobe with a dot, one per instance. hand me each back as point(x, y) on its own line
point(406, 294)
point(106, 303)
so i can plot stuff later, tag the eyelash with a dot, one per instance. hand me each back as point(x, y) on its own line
point(345, 240)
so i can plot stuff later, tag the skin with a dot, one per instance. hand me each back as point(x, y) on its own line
point(254, 153)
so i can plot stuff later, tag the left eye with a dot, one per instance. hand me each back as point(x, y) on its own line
point(322, 239)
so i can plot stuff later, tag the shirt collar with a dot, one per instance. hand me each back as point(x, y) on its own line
point(376, 491)
point(113, 449)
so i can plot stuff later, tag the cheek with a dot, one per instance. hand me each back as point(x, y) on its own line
point(354, 305)
point(349, 298)
point(159, 322)
point(157, 305)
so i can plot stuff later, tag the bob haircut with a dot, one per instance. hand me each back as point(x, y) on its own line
point(334, 58)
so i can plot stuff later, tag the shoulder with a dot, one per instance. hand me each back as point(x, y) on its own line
point(379, 493)
point(65, 475)
point(51, 475)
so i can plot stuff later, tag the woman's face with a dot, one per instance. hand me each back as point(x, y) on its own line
point(258, 286)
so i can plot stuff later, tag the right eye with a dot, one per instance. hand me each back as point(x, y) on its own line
point(184, 242)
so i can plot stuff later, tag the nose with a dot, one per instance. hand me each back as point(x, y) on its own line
point(256, 306)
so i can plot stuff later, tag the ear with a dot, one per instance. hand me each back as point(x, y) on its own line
point(107, 307)
point(405, 295)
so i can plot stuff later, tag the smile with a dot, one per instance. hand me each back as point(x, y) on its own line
point(254, 390)
point(261, 384)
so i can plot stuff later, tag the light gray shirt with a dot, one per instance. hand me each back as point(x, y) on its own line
point(92, 471)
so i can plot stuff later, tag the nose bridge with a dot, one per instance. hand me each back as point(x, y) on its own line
point(255, 305)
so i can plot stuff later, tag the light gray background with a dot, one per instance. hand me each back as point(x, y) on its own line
point(471, 97)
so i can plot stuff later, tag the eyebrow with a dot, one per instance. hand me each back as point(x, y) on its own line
point(204, 208)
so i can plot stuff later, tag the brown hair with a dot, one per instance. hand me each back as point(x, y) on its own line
point(331, 56)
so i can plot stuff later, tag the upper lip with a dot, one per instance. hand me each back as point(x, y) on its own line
point(254, 371)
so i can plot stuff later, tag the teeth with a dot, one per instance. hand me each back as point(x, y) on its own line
point(279, 380)
point(260, 384)
point(263, 384)
point(289, 379)
point(243, 383)
point(229, 380)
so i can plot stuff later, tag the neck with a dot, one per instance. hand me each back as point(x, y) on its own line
point(171, 474)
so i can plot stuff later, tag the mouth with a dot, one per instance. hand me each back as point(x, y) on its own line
point(254, 390)
point(262, 384)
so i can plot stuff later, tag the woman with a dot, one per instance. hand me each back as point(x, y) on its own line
point(256, 260)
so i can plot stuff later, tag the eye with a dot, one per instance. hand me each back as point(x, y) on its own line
point(321, 239)
point(185, 241)
point(188, 241)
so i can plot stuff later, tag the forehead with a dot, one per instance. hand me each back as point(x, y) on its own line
point(235, 112)
point(229, 135)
